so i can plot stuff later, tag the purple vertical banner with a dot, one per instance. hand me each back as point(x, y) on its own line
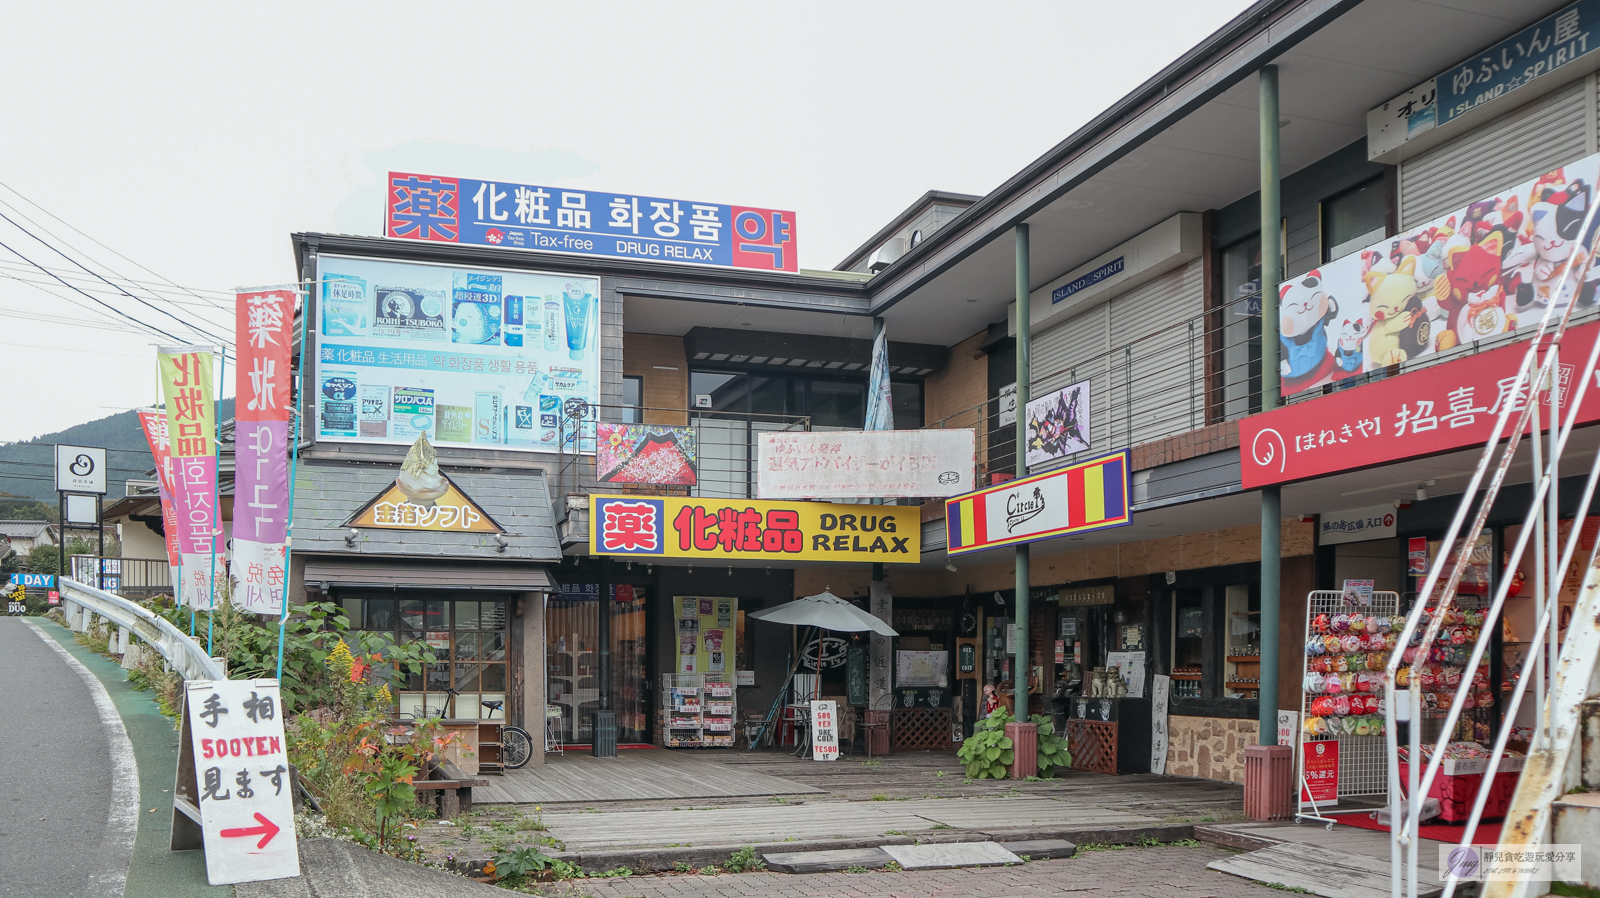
point(265, 320)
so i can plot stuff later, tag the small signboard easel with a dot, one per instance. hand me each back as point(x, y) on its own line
point(234, 795)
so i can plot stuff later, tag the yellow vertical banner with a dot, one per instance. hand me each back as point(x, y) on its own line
point(186, 384)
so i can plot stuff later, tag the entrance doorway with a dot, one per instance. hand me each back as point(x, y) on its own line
point(572, 660)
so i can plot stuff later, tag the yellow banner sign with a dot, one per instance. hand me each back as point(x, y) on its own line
point(671, 527)
point(452, 512)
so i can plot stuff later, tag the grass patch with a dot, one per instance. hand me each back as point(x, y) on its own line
point(879, 796)
point(1283, 888)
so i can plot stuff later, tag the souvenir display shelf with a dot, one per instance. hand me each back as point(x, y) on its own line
point(697, 713)
point(1342, 686)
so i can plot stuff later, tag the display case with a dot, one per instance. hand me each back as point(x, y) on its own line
point(696, 713)
point(1242, 658)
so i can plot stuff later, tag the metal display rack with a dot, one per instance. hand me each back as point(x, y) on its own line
point(697, 714)
point(1362, 758)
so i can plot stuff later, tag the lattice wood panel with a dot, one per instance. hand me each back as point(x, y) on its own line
point(920, 729)
point(1093, 744)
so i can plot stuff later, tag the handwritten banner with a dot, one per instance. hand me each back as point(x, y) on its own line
point(850, 464)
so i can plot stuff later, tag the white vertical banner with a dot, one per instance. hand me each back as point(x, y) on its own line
point(264, 336)
point(1160, 685)
point(824, 731)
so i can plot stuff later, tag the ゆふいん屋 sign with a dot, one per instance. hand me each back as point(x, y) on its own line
point(588, 222)
point(727, 529)
point(1090, 495)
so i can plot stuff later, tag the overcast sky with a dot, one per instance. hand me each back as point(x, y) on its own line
point(193, 140)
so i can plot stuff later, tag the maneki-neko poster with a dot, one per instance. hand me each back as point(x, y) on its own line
point(1491, 267)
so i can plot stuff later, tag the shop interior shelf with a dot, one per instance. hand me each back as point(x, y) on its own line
point(1245, 658)
point(1185, 676)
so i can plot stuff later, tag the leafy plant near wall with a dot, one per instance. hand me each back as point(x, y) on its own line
point(989, 751)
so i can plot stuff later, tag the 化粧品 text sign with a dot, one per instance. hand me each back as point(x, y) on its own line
point(751, 530)
point(1089, 495)
point(588, 222)
point(187, 386)
point(855, 463)
point(1440, 409)
point(241, 780)
point(265, 321)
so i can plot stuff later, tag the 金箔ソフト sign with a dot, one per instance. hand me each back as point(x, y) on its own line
point(669, 527)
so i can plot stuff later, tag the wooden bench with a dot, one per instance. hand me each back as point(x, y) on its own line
point(454, 788)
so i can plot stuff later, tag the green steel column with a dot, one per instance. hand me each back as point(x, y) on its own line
point(1019, 663)
point(1271, 500)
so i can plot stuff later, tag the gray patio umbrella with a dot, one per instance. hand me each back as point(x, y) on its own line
point(826, 611)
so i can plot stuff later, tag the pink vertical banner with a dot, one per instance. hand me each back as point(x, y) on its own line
point(265, 321)
point(154, 424)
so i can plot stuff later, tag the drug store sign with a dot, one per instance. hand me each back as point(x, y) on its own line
point(729, 529)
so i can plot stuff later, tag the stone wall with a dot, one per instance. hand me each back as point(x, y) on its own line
point(1209, 747)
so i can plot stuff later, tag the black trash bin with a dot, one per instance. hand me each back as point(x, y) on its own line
point(604, 743)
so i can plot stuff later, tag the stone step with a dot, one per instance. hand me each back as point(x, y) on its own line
point(834, 861)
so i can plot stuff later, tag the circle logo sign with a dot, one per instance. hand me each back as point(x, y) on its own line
point(575, 408)
point(949, 477)
point(82, 466)
point(1388, 520)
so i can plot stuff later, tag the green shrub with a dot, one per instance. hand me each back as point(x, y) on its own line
point(988, 751)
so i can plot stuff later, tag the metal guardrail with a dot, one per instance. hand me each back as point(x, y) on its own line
point(80, 602)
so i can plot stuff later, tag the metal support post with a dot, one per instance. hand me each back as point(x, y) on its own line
point(1271, 500)
point(1019, 663)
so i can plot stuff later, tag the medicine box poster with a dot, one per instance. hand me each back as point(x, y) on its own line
point(707, 636)
point(469, 357)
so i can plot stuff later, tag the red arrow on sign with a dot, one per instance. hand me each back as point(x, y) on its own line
point(266, 831)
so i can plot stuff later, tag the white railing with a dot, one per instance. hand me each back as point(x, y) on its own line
point(81, 603)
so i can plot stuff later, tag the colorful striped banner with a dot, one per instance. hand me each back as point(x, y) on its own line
point(1089, 495)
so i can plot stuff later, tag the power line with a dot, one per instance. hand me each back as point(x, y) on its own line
point(91, 239)
point(53, 248)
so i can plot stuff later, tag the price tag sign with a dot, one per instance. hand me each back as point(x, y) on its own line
point(241, 768)
point(824, 731)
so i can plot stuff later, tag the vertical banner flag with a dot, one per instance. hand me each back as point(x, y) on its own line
point(880, 401)
point(155, 433)
point(265, 319)
point(192, 427)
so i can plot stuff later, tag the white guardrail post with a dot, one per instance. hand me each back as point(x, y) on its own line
point(183, 654)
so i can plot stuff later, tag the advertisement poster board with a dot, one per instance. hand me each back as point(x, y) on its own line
point(1058, 424)
point(1320, 762)
point(1475, 272)
point(1160, 685)
point(469, 357)
point(707, 637)
point(646, 453)
point(1357, 593)
point(850, 464)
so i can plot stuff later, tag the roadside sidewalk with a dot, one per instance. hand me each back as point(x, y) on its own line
point(155, 871)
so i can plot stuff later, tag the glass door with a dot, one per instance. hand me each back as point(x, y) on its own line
point(572, 660)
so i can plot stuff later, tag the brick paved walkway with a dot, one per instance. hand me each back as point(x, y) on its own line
point(1162, 872)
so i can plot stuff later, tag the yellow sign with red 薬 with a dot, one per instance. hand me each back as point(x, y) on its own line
point(735, 529)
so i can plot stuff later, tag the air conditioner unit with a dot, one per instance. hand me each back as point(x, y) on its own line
point(885, 255)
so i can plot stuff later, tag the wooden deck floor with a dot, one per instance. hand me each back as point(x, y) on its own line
point(633, 775)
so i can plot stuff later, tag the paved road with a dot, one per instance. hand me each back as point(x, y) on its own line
point(1164, 872)
point(58, 835)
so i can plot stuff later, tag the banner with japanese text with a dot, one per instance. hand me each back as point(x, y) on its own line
point(154, 424)
point(1440, 409)
point(265, 321)
point(192, 427)
point(744, 529)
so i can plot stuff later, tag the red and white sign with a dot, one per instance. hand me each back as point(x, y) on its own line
point(242, 773)
point(1321, 767)
point(824, 731)
point(1441, 409)
point(1417, 556)
point(55, 597)
point(264, 336)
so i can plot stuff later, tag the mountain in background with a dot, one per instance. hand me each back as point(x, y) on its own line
point(27, 470)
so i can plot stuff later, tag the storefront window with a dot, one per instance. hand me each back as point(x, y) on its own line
point(468, 639)
point(572, 660)
point(1353, 220)
point(1241, 328)
point(632, 399)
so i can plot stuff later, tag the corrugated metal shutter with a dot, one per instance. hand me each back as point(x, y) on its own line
point(1073, 352)
point(1528, 142)
point(1157, 363)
